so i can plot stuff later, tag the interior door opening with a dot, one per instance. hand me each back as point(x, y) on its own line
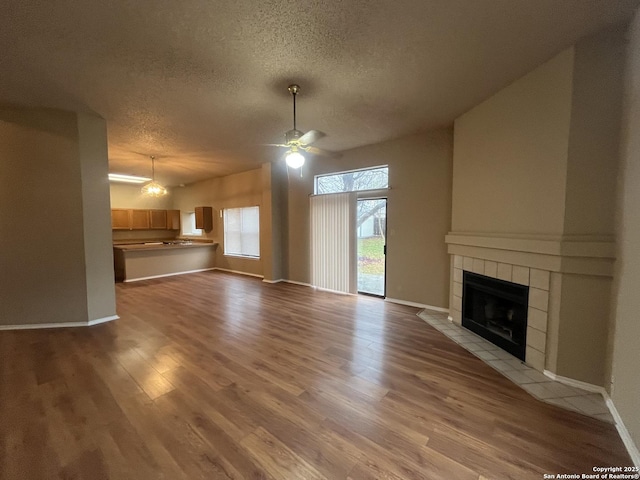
point(371, 228)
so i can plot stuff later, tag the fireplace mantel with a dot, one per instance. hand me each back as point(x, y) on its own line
point(578, 254)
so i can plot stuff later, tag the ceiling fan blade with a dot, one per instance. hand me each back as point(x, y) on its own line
point(310, 137)
point(321, 152)
point(274, 145)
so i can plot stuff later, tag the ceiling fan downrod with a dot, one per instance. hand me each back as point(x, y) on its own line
point(294, 89)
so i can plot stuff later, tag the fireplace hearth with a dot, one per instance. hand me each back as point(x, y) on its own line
point(497, 311)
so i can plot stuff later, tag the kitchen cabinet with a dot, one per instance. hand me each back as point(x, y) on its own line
point(173, 219)
point(140, 220)
point(120, 219)
point(204, 218)
point(158, 219)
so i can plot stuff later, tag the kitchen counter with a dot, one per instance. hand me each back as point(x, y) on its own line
point(142, 261)
point(162, 245)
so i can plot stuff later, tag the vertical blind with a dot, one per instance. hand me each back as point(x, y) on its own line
point(333, 242)
point(242, 231)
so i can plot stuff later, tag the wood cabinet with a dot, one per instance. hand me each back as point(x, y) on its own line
point(140, 219)
point(158, 219)
point(204, 218)
point(120, 219)
point(173, 219)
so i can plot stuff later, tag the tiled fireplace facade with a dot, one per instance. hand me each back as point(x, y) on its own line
point(538, 282)
point(569, 280)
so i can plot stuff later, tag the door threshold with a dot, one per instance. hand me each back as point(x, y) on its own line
point(372, 295)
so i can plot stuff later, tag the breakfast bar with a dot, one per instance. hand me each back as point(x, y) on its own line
point(142, 261)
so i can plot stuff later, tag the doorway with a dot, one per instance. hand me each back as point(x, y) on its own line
point(371, 230)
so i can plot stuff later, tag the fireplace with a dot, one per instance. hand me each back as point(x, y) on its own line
point(497, 311)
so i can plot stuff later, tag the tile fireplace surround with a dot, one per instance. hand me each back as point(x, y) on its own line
point(569, 280)
point(538, 283)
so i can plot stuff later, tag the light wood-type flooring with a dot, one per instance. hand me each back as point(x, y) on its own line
point(220, 376)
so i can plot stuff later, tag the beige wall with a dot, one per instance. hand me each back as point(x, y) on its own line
point(130, 196)
point(272, 220)
point(510, 152)
point(419, 209)
point(96, 216)
point(537, 162)
point(596, 110)
point(625, 388)
point(239, 190)
point(53, 268)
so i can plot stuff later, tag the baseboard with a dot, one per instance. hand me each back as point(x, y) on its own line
point(168, 275)
point(298, 283)
point(634, 453)
point(37, 326)
point(415, 304)
point(238, 272)
point(328, 290)
point(273, 281)
point(622, 429)
point(589, 387)
point(98, 321)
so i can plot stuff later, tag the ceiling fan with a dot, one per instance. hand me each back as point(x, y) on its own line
point(297, 141)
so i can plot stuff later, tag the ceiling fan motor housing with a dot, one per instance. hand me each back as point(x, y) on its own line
point(292, 136)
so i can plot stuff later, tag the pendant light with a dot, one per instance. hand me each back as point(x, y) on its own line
point(153, 189)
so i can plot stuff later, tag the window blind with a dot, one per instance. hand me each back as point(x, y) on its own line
point(242, 231)
point(333, 242)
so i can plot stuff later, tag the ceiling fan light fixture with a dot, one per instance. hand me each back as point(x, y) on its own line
point(153, 188)
point(294, 158)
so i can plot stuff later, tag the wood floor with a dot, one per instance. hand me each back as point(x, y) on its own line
point(218, 376)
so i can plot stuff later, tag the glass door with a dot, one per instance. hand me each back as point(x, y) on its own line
point(371, 228)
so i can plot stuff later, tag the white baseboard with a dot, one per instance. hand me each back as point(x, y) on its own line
point(98, 321)
point(620, 426)
point(415, 304)
point(169, 274)
point(338, 292)
point(238, 272)
point(298, 283)
point(632, 448)
point(36, 326)
point(589, 387)
point(273, 281)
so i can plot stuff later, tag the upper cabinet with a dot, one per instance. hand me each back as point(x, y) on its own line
point(173, 219)
point(120, 219)
point(158, 219)
point(204, 218)
point(138, 219)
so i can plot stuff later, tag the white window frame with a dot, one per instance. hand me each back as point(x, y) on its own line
point(330, 174)
point(242, 253)
point(189, 221)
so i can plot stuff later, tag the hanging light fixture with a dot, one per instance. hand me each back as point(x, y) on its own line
point(153, 189)
point(294, 158)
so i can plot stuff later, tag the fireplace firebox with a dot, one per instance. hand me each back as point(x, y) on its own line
point(497, 311)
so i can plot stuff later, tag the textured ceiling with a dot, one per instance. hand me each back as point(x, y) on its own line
point(202, 84)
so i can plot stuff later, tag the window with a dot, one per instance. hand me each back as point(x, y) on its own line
point(189, 225)
point(242, 232)
point(352, 181)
